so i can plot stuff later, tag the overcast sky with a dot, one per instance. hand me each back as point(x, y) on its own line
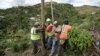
point(10, 3)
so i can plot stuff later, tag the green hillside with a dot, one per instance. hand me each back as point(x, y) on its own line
point(15, 24)
point(87, 9)
point(91, 12)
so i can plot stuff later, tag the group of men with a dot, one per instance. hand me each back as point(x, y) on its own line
point(56, 36)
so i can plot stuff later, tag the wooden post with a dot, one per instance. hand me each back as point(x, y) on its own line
point(43, 25)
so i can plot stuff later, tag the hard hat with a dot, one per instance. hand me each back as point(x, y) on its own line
point(55, 22)
point(65, 21)
point(48, 19)
point(36, 23)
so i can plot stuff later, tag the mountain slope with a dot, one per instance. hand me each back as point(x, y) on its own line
point(88, 9)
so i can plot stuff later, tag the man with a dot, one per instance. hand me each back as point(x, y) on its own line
point(49, 33)
point(56, 31)
point(64, 37)
point(35, 37)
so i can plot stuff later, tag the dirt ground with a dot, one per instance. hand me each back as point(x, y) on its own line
point(25, 53)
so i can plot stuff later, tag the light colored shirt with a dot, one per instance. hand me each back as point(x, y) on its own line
point(56, 31)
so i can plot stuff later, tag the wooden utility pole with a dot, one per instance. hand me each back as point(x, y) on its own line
point(43, 25)
point(52, 11)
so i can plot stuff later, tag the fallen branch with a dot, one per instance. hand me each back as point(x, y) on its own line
point(97, 49)
point(96, 54)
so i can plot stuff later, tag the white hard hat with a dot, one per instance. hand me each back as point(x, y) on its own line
point(48, 19)
point(36, 23)
point(55, 22)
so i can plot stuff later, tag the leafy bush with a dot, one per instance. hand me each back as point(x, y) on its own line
point(3, 44)
point(80, 39)
point(16, 47)
point(23, 45)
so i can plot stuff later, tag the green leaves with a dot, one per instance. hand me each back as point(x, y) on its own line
point(80, 39)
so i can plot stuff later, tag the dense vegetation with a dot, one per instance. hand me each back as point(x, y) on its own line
point(15, 25)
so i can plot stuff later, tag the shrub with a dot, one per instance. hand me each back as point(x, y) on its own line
point(16, 47)
point(4, 43)
point(23, 45)
point(80, 39)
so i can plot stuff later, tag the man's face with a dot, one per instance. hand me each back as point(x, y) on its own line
point(48, 22)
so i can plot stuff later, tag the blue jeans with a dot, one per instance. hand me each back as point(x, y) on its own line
point(54, 45)
point(49, 42)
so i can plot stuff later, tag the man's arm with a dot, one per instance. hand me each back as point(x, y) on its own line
point(38, 30)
